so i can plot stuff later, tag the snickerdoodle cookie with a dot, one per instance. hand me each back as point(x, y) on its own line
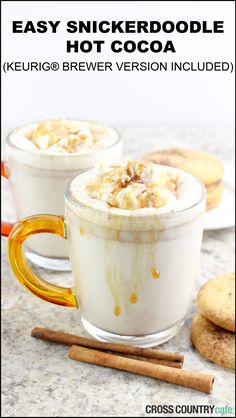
point(213, 342)
point(202, 165)
point(216, 301)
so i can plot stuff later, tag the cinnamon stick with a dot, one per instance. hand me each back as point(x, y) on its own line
point(176, 364)
point(70, 339)
point(195, 380)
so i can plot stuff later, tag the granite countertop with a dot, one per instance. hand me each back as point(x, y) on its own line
point(38, 378)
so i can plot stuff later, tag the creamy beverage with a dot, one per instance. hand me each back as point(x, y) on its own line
point(41, 159)
point(62, 136)
point(134, 232)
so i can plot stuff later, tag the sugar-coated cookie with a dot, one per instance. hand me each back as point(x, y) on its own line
point(204, 166)
point(216, 301)
point(213, 342)
point(214, 195)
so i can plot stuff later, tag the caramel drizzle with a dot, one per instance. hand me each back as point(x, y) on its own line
point(114, 276)
point(136, 178)
point(56, 130)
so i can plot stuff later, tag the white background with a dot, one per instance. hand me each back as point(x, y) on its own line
point(122, 99)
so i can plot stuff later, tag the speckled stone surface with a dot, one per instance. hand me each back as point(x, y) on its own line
point(38, 378)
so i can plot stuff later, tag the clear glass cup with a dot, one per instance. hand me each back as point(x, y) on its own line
point(38, 182)
point(133, 275)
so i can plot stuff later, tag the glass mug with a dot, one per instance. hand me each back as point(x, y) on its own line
point(38, 183)
point(133, 276)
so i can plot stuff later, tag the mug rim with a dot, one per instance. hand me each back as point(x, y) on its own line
point(123, 213)
point(63, 155)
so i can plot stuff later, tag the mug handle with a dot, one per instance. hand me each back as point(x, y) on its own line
point(6, 227)
point(23, 229)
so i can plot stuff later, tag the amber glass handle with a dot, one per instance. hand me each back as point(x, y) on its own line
point(6, 227)
point(23, 229)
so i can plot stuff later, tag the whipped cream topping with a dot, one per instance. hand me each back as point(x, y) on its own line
point(136, 186)
point(133, 185)
point(62, 136)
